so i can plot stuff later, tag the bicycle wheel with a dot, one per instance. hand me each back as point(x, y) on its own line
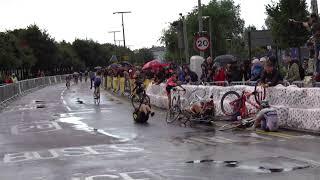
point(135, 101)
point(229, 127)
point(174, 112)
point(260, 93)
point(197, 95)
point(231, 103)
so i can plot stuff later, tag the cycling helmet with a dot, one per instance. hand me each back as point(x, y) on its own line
point(265, 104)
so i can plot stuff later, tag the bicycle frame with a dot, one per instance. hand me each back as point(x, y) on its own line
point(245, 98)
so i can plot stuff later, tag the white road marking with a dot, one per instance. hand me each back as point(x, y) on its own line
point(35, 127)
point(110, 151)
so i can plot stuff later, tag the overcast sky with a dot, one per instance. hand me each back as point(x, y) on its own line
point(93, 19)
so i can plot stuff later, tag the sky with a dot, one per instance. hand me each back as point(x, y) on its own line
point(94, 19)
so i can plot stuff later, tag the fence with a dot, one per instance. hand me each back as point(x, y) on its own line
point(10, 91)
point(122, 86)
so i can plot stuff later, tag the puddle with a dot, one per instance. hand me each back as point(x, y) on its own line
point(261, 165)
point(81, 126)
point(39, 101)
point(40, 106)
point(79, 101)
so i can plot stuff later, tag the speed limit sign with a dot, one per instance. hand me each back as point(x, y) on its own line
point(202, 43)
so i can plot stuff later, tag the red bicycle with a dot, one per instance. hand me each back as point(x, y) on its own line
point(232, 103)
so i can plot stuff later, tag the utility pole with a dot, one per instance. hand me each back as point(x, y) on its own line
point(123, 12)
point(314, 6)
point(185, 38)
point(114, 36)
point(210, 34)
point(200, 22)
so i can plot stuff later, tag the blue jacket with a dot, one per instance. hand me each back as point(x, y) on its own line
point(256, 72)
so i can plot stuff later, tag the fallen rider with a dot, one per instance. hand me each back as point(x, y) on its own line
point(202, 108)
point(267, 118)
point(141, 114)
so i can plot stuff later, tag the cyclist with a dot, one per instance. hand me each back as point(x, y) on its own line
point(171, 83)
point(92, 77)
point(68, 80)
point(97, 82)
point(203, 107)
point(85, 76)
point(80, 76)
point(267, 118)
point(75, 76)
point(141, 114)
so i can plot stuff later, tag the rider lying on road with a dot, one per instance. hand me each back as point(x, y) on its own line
point(141, 115)
point(267, 118)
point(202, 107)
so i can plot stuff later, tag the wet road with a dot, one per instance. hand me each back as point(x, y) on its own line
point(58, 134)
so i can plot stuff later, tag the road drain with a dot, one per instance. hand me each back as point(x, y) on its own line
point(39, 101)
point(261, 165)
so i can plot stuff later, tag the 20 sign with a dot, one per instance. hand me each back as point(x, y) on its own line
point(202, 43)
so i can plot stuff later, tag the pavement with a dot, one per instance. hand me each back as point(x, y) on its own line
point(59, 134)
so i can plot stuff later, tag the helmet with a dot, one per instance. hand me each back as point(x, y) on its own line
point(265, 104)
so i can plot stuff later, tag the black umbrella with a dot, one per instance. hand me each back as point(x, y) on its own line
point(225, 59)
point(125, 64)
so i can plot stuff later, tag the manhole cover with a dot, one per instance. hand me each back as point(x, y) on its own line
point(274, 164)
point(262, 165)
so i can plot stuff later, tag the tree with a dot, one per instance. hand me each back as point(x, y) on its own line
point(143, 55)
point(43, 46)
point(285, 34)
point(227, 24)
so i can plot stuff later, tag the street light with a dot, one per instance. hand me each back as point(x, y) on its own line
point(114, 36)
point(210, 34)
point(123, 12)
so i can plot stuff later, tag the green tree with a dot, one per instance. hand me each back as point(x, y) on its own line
point(285, 34)
point(42, 45)
point(143, 55)
point(226, 24)
point(68, 58)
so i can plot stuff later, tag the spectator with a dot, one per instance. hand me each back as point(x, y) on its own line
point(311, 61)
point(189, 76)
point(220, 74)
point(270, 75)
point(246, 71)
point(256, 70)
point(263, 61)
point(14, 78)
point(292, 69)
point(8, 79)
point(207, 64)
point(234, 73)
point(208, 76)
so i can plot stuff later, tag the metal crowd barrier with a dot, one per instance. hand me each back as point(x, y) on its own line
point(10, 91)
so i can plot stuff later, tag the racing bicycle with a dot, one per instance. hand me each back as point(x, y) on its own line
point(139, 97)
point(96, 96)
point(232, 103)
point(239, 124)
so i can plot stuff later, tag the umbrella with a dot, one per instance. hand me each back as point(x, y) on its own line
point(125, 64)
point(98, 67)
point(225, 59)
point(114, 65)
point(152, 65)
